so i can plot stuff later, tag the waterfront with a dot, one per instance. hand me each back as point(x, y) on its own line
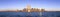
point(30, 14)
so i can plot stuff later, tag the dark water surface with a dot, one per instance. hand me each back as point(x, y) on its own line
point(29, 14)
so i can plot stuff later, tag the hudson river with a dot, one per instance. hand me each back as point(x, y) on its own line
point(30, 14)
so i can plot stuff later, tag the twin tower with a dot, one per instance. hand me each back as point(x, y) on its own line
point(29, 9)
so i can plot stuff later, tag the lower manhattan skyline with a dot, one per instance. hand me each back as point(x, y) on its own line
point(21, 4)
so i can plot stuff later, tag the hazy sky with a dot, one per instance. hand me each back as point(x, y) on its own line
point(19, 4)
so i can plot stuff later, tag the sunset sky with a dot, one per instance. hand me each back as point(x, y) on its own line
point(20, 4)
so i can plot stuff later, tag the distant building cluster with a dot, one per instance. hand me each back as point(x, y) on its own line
point(29, 9)
point(33, 10)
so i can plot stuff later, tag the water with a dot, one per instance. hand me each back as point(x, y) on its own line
point(29, 14)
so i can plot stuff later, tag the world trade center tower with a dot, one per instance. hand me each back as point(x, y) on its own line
point(28, 8)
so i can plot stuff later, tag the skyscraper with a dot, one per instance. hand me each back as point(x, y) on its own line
point(28, 8)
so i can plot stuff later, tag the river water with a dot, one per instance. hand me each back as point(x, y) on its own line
point(30, 14)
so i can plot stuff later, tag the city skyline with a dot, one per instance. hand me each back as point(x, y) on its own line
point(20, 4)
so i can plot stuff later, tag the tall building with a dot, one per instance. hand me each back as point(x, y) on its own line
point(28, 8)
point(24, 10)
point(42, 10)
point(17, 10)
